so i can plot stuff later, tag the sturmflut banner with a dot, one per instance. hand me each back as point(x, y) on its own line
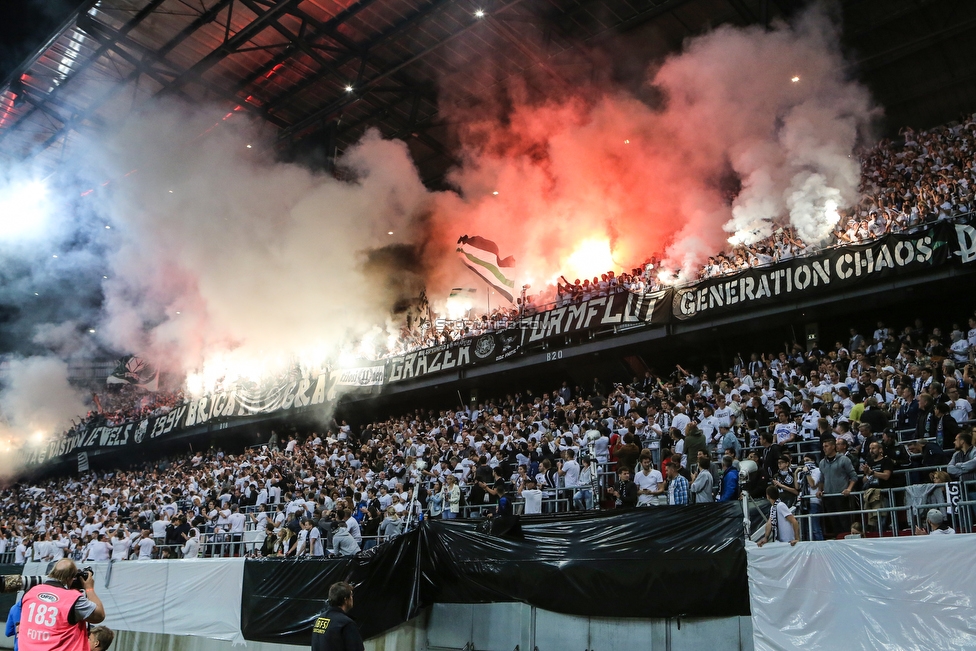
point(833, 270)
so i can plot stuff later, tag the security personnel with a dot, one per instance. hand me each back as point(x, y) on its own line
point(334, 630)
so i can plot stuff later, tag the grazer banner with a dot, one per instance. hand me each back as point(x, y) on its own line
point(293, 391)
point(483, 349)
point(929, 246)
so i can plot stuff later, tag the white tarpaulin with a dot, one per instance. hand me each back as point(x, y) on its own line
point(199, 597)
point(914, 593)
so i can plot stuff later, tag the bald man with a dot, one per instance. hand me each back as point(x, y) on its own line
point(56, 616)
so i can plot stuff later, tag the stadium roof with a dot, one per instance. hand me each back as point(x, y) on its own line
point(322, 71)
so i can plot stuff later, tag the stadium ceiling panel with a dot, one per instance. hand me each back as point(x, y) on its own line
point(323, 71)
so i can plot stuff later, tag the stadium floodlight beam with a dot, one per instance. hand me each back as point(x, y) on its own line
point(24, 208)
point(479, 13)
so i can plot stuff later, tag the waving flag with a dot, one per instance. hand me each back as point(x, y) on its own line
point(481, 256)
point(134, 371)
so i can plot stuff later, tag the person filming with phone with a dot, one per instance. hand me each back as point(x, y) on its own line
point(55, 614)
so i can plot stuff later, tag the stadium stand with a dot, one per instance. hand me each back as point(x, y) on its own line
point(894, 401)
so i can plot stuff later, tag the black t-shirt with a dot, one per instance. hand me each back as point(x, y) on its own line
point(787, 479)
point(881, 465)
point(628, 493)
point(335, 631)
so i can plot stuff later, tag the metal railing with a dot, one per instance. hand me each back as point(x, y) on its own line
point(894, 507)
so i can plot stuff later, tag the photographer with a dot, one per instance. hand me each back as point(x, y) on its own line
point(56, 613)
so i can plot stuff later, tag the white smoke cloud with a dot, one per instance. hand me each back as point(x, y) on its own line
point(223, 253)
point(781, 107)
point(36, 404)
point(220, 260)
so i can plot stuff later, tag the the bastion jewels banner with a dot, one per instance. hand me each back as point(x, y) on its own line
point(929, 246)
point(289, 392)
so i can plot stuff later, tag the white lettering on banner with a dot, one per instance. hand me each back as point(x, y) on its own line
point(967, 243)
point(111, 436)
point(842, 265)
point(318, 396)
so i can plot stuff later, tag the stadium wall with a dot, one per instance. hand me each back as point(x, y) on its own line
point(906, 593)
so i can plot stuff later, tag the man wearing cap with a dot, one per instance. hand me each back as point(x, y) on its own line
point(935, 525)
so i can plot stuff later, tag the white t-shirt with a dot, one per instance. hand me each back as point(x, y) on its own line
point(572, 470)
point(237, 521)
point(784, 431)
point(601, 448)
point(961, 409)
point(159, 528)
point(315, 542)
point(354, 531)
point(533, 501)
point(120, 549)
point(651, 481)
point(680, 422)
point(98, 550)
point(784, 530)
point(146, 546)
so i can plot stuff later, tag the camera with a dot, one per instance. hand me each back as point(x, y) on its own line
point(82, 575)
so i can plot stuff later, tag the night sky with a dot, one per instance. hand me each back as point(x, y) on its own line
point(25, 25)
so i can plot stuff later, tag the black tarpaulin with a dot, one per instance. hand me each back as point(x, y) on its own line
point(668, 561)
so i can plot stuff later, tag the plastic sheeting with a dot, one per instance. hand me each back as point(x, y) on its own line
point(655, 562)
point(913, 593)
point(199, 597)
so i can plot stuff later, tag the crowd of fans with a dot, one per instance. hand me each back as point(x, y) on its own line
point(927, 176)
point(796, 425)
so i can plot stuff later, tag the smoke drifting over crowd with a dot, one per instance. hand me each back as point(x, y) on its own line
point(774, 109)
point(213, 259)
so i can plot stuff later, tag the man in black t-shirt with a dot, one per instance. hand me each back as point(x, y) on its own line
point(879, 467)
point(625, 490)
point(334, 630)
point(879, 472)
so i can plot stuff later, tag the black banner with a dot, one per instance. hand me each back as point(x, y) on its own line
point(241, 402)
point(833, 270)
point(649, 563)
point(483, 349)
point(614, 310)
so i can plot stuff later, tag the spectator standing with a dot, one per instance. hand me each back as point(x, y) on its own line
point(649, 481)
point(782, 525)
point(730, 480)
point(625, 490)
point(677, 485)
point(702, 483)
point(836, 482)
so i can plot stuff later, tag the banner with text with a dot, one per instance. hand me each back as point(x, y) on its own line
point(944, 242)
point(285, 394)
